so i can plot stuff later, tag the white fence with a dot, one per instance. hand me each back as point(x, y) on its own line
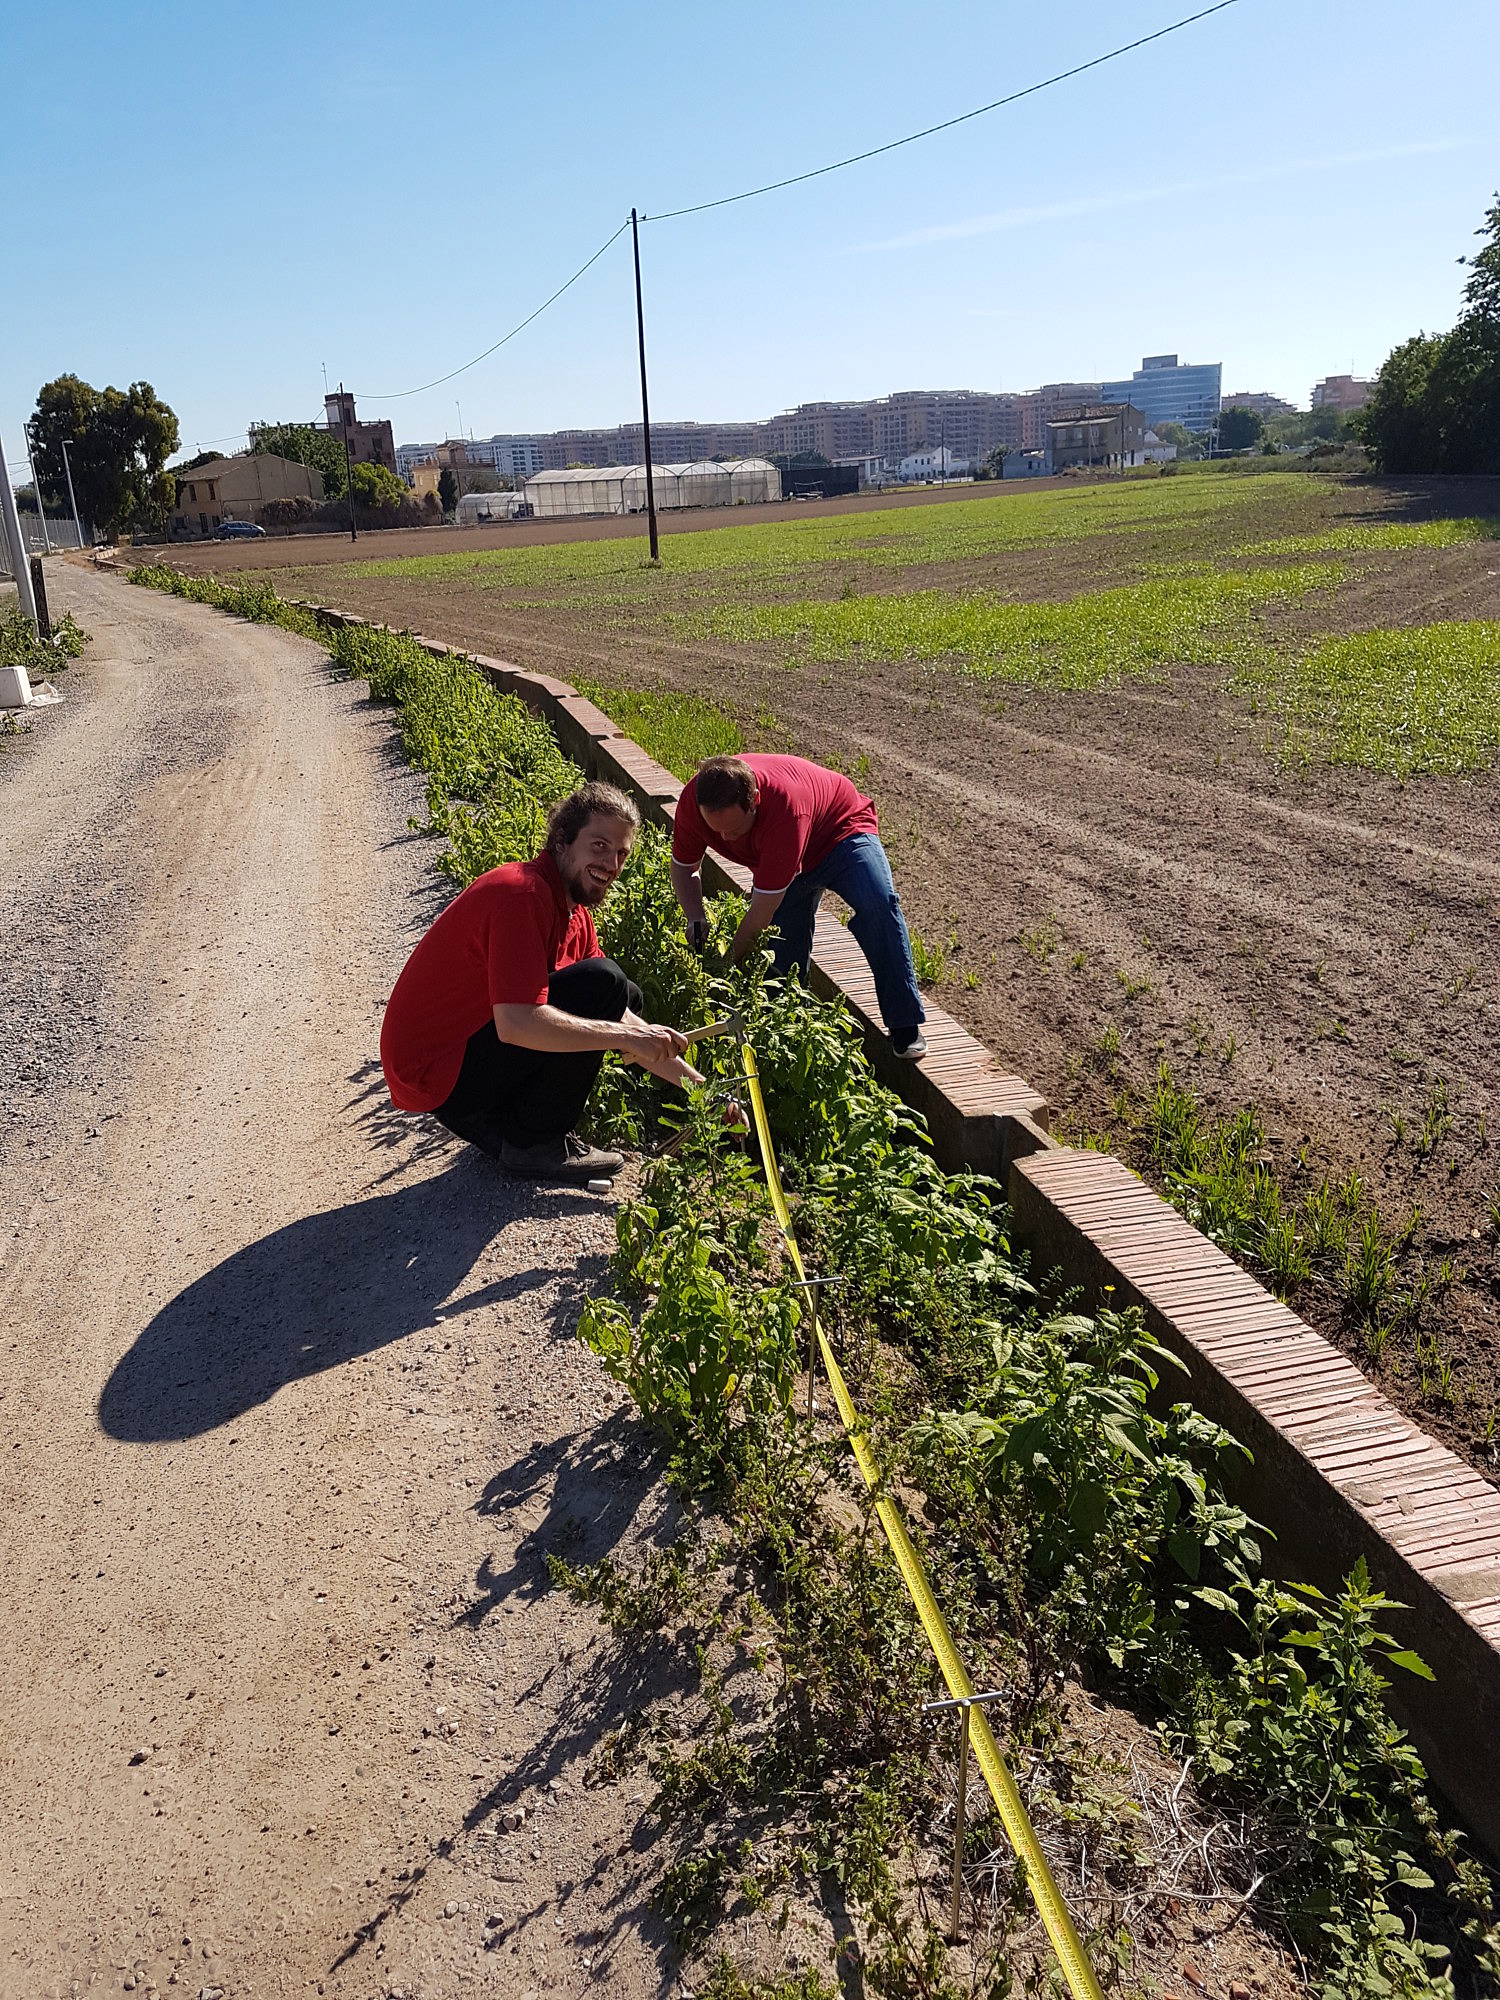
point(60, 533)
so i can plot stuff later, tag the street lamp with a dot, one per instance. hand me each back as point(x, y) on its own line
point(72, 500)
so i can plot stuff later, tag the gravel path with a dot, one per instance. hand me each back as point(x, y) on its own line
point(290, 1407)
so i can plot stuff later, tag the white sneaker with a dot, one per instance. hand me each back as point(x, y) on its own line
point(911, 1051)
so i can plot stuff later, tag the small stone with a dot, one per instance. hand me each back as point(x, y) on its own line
point(1238, 1990)
point(513, 1818)
point(140, 1756)
point(1193, 1976)
point(450, 1909)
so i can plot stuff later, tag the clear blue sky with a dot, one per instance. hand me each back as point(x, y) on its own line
point(223, 199)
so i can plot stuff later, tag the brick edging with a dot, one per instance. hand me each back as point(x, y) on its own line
point(1338, 1471)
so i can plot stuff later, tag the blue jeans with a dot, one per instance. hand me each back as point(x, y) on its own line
point(857, 870)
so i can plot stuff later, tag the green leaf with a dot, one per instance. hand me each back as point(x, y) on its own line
point(1413, 1663)
point(1186, 1549)
point(1089, 1507)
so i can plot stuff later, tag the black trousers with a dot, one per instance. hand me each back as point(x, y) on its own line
point(528, 1096)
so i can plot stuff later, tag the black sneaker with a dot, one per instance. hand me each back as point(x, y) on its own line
point(566, 1159)
point(909, 1044)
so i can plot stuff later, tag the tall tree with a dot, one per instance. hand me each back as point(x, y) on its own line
point(1239, 428)
point(119, 441)
point(1435, 406)
point(307, 444)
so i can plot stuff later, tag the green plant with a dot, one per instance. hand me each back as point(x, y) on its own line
point(678, 730)
point(1041, 941)
point(930, 960)
point(1437, 1120)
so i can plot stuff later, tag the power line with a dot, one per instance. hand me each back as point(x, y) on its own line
point(398, 395)
point(947, 125)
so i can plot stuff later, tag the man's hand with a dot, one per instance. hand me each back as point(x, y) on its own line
point(697, 935)
point(660, 1050)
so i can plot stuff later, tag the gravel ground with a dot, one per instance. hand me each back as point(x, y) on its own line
point(290, 1409)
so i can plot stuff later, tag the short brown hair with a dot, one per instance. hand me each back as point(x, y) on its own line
point(595, 800)
point(724, 782)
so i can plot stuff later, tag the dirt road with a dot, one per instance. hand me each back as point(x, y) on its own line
point(291, 1407)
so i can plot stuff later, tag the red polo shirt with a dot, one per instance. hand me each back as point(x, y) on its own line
point(498, 942)
point(805, 810)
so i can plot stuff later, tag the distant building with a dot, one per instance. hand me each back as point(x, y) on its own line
point(621, 489)
point(1261, 401)
point(238, 489)
point(369, 444)
point(1341, 392)
point(1105, 435)
point(410, 456)
point(939, 464)
point(1171, 392)
point(1053, 399)
point(1024, 465)
point(1154, 452)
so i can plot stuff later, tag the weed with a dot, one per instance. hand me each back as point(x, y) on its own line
point(1437, 1120)
point(971, 982)
point(1040, 942)
point(1078, 962)
point(1397, 1121)
point(1368, 1270)
point(1109, 1044)
point(1229, 1048)
point(1133, 987)
point(930, 960)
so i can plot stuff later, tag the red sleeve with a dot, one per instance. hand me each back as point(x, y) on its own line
point(782, 830)
point(689, 834)
point(518, 951)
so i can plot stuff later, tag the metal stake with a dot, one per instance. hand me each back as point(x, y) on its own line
point(963, 1703)
point(813, 1286)
point(960, 1825)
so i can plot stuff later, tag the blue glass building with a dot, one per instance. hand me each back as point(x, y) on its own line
point(1171, 392)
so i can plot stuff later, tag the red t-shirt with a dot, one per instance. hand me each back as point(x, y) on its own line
point(498, 942)
point(805, 810)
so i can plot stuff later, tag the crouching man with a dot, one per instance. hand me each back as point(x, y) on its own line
point(802, 829)
point(501, 1018)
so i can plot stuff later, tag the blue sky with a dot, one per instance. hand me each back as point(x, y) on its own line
point(222, 200)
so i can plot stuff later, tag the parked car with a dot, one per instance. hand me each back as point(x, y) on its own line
point(236, 531)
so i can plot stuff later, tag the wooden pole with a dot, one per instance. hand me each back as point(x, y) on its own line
point(640, 334)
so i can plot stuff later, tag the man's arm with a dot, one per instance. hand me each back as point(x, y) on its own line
point(552, 1031)
point(687, 886)
point(762, 911)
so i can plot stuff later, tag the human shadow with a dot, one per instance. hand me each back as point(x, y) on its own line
point(317, 1293)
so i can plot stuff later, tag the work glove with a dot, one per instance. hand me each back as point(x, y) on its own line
point(697, 935)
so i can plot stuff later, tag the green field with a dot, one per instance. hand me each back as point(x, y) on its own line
point(1263, 576)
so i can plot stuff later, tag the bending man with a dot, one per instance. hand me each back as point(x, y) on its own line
point(801, 829)
point(501, 1018)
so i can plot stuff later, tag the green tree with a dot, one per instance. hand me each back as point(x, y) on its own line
point(1435, 406)
point(993, 467)
point(307, 444)
point(1396, 423)
point(448, 489)
point(378, 488)
point(1239, 428)
point(119, 441)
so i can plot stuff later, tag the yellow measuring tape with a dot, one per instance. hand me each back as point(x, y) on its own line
point(1008, 1802)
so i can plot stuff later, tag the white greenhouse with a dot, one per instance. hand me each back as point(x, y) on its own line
point(621, 489)
point(479, 510)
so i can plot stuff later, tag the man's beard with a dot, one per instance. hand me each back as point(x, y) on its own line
point(584, 892)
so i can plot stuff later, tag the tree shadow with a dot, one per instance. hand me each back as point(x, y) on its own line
point(317, 1293)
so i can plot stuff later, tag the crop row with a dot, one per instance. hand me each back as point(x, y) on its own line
point(1079, 1525)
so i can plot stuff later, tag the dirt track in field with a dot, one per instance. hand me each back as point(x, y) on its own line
point(292, 1410)
point(1324, 943)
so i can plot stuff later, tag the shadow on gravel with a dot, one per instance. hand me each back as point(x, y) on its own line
point(318, 1293)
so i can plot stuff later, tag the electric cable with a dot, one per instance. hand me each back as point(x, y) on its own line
point(398, 395)
point(946, 125)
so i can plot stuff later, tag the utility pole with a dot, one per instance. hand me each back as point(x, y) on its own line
point(72, 497)
point(640, 334)
point(36, 487)
point(348, 464)
point(20, 568)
